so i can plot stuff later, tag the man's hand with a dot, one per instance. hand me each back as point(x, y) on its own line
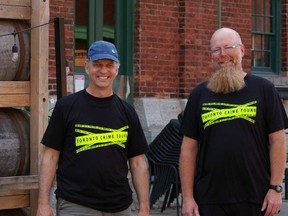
point(190, 208)
point(44, 210)
point(143, 212)
point(272, 203)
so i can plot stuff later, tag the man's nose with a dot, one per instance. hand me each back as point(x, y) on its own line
point(103, 69)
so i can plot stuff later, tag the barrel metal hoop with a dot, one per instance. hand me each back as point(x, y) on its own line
point(21, 52)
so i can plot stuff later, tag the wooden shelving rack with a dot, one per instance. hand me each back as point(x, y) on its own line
point(22, 191)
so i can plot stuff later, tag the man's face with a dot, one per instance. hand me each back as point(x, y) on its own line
point(226, 50)
point(227, 53)
point(102, 73)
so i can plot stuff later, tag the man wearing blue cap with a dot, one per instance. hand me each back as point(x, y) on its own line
point(90, 137)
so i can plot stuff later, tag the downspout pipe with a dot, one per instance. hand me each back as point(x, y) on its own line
point(219, 13)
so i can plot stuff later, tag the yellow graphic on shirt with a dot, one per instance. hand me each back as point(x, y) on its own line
point(108, 137)
point(228, 112)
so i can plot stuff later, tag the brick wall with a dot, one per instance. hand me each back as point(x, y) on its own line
point(172, 52)
point(60, 8)
point(284, 38)
point(156, 49)
point(171, 42)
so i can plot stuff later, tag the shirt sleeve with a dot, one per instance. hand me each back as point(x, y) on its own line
point(190, 124)
point(276, 116)
point(55, 131)
point(137, 143)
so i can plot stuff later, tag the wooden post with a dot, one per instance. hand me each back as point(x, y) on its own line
point(39, 87)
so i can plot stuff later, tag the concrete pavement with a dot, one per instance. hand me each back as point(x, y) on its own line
point(166, 212)
point(284, 209)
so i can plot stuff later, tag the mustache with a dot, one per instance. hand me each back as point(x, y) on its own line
point(224, 59)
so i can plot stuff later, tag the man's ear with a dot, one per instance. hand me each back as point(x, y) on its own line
point(243, 50)
point(87, 67)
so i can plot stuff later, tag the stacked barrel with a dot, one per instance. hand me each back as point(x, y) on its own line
point(14, 122)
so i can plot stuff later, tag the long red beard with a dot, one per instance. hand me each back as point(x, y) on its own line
point(226, 80)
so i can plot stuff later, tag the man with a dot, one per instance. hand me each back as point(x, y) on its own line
point(90, 137)
point(233, 153)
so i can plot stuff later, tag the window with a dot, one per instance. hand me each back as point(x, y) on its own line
point(265, 37)
point(101, 26)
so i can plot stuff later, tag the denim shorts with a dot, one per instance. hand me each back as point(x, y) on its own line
point(65, 208)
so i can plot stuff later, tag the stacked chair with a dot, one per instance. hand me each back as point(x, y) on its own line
point(163, 159)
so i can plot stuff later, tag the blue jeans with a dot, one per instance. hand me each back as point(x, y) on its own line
point(65, 208)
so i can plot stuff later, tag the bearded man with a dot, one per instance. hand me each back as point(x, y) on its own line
point(233, 153)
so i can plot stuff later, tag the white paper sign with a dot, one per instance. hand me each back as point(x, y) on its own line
point(79, 81)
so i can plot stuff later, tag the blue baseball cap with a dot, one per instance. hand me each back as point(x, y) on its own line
point(103, 50)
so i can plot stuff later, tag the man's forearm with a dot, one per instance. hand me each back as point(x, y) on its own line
point(139, 172)
point(47, 174)
point(277, 156)
point(187, 166)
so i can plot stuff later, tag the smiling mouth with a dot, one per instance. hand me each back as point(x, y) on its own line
point(103, 77)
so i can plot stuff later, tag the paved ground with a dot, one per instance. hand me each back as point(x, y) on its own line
point(284, 210)
point(166, 212)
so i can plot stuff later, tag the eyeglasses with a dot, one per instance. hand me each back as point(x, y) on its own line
point(227, 49)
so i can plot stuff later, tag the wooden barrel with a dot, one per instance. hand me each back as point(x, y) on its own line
point(18, 70)
point(15, 212)
point(14, 142)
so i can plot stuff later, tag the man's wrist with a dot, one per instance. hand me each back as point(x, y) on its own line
point(277, 188)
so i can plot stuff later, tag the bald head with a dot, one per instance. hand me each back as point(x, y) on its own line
point(227, 48)
point(224, 34)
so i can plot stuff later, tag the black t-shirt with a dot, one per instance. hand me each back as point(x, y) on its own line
point(232, 129)
point(95, 137)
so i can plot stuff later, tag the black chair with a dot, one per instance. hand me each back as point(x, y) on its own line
point(163, 158)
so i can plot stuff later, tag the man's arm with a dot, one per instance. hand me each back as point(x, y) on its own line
point(277, 156)
point(139, 172)
point(47, 174)
point(188, 155)
point(273, 200)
